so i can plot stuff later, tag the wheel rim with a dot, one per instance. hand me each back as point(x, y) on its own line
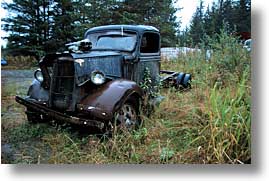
point(126, 117)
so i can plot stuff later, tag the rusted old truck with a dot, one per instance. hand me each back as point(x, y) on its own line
point(96, 83)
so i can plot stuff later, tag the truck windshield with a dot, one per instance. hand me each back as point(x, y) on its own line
point(113, 41)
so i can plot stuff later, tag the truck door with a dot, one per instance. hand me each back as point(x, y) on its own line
point(149, 56)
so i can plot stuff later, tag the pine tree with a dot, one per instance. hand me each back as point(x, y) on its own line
point(62, 25)
point(27, 24)
point(160, 14)
point(197, 24)
point(232, 16)
point(243, 16)
point(48, 24)
point(210, 21)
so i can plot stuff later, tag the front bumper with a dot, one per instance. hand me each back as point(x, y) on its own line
point(59, 116)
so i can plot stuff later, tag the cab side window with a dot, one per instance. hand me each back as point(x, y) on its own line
point(150, 43)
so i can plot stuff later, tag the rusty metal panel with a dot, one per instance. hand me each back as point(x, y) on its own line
point(154, 67)
point(140, 68)
point(59, 115)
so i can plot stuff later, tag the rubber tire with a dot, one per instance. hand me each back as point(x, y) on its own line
point(33, 117)
point(186, 81)
point(134, 102)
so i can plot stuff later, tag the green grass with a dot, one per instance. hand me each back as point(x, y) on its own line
point(211, 123)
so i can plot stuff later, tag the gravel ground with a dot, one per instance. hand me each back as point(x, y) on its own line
point(16, 79)
point(16, 76)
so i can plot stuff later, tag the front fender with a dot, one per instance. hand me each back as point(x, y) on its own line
point(109, 97)
point(37, 92)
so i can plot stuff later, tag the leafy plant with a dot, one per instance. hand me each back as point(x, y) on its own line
point(152, 89)
point(166, 154)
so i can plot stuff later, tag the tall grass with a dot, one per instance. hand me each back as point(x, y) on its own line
point(219, 103)
point(228, 128)
point(211, 123)
point(224, 83)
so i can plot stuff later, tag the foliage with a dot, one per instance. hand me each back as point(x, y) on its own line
point(29, 26)
point(231, 15)
point(24, 132)
point(166, 154)
point(223, 112)
point(197, 30)
point(150, 88)
point(47, 25)
point(229, 54)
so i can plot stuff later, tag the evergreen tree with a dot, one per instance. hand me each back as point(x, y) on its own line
point(232, 16)
point(157, 13)
point(48, 24)
point(197, 24)
point(210, 21)
point(62, 26)
point(185, 39)
point(27, 23)
point(243, 16)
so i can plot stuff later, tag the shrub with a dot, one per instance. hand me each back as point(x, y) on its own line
point(21, 61)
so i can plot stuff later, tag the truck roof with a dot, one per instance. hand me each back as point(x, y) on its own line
point(138, 28)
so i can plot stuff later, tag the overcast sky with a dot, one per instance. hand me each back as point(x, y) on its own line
point(189, 7)
point(185, 14)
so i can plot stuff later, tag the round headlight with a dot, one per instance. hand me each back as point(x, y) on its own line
point(98, 77)
point(39, 75)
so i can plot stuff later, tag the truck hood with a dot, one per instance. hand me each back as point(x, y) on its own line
point(94, 54)
point(108, 62)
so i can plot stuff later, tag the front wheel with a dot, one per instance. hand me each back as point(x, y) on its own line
point(34, 117)
point(127, 117)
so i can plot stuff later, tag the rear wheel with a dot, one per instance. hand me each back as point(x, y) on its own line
point(187, 81)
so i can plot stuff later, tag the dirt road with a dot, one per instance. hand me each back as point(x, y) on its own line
point(19, 77)
point(13, 82)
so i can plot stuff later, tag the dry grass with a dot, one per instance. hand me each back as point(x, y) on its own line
point(211, 123)
point(20, 62)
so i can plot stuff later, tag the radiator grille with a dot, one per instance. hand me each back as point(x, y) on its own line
point(62, 85)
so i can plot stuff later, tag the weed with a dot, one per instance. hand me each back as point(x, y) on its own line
point(211, 123)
